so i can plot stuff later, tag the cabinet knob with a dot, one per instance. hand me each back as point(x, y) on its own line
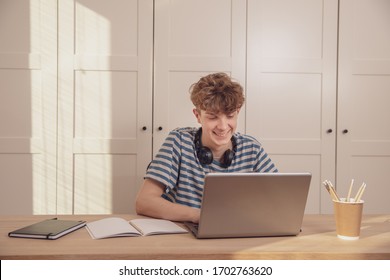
point(144, 128)
point(160, 128)
point(345, 131)
point(329, 130)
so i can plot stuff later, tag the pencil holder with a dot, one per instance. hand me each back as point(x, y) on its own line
point(348, 217)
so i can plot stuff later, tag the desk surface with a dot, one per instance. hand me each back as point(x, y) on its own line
point(317, 241)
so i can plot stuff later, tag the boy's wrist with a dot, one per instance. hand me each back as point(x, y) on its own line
point(195, 216)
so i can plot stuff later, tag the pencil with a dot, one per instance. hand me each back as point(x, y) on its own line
point(360, 192)
point(350, 190)
point(333, 190)
point(330, 190)
point(326, 186)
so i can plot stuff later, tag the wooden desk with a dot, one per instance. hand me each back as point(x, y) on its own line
point(317, 241)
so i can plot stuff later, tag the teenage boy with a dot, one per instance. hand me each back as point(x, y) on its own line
point(173, 184)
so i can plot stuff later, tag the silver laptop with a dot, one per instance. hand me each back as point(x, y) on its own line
point(252, 204)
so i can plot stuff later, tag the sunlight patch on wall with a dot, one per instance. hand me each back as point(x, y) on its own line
point(92, 111)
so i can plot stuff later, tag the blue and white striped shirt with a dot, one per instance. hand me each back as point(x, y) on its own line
point(177, 166)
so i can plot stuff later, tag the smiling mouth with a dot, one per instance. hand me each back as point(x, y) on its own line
point(221, 134)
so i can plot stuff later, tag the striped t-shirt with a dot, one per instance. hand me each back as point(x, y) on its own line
point(177, 167)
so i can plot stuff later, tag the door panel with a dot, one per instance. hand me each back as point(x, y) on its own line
point(364, 95)
point(28, 105)
point(193, 40)
point(291, 87)
point(105, 73)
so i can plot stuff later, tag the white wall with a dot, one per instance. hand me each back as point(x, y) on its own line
point(80, 79)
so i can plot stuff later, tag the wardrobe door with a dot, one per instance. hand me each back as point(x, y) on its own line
point(28, 103)
point(193, 38)
point(363, 143)
point(291, 87)
point(105, 101)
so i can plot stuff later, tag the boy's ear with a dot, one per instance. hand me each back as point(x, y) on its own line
point(197, 114)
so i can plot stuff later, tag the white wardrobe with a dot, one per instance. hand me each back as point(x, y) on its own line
point(89, 89)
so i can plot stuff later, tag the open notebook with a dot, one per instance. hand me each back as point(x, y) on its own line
point(119, 227)
point(252, 204)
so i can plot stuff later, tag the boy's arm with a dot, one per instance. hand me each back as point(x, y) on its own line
point(150, 203)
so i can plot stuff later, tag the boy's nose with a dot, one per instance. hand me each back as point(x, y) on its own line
point(223, 123)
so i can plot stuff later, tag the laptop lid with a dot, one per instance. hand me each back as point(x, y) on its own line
point(253, 204)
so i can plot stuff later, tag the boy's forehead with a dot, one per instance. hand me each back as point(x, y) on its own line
point(216, 112)
point(211, 112)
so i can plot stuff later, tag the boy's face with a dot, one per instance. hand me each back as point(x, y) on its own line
point(217, 128)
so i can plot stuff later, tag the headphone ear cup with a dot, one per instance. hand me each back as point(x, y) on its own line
point(205, 155)
point(227, 158)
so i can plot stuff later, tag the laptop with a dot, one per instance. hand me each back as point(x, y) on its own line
point(252, 205)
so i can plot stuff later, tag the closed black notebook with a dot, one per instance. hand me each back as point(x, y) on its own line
point(48, 229)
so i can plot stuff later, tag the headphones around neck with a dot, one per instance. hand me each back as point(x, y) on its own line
point(205, 155)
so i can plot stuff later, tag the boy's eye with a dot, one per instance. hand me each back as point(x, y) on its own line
point(211, 115)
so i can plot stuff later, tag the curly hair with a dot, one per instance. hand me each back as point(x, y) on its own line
point(217, 93)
